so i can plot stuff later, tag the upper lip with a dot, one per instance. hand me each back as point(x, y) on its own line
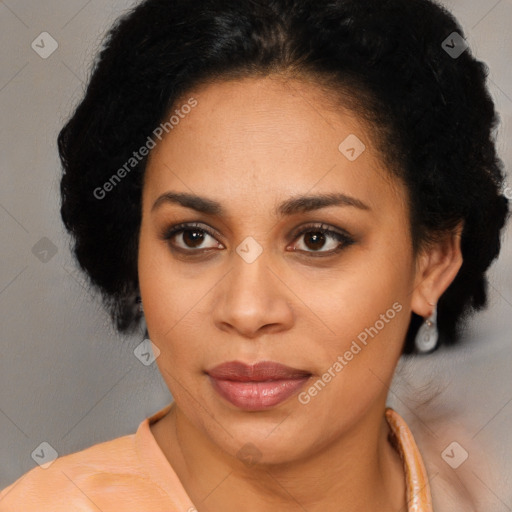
point(257, 372)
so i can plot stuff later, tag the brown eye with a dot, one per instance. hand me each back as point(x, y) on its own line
point(321, 240)
point(315, 240)
point(191, 238)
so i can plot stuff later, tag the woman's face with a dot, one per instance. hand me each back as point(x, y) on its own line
point(296, 251)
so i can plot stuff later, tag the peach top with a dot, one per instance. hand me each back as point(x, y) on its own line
point(131, 473)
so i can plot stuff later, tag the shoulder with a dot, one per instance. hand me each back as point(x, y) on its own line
point(81, 479)
point(462, 475)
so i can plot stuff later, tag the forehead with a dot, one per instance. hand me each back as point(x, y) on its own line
point(261, 138)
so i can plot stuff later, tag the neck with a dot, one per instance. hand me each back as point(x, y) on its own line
point(359, 471)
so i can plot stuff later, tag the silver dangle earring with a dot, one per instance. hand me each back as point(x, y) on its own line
point(428, 335)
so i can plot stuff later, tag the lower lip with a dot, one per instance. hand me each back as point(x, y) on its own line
point(257, 396)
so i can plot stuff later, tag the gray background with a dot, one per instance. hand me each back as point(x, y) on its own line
point(66, 378)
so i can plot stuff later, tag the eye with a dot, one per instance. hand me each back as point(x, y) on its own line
point(320, 236)
point(191, 238)
point(319, 239)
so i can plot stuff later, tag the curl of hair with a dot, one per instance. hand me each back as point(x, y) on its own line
point(433, 114)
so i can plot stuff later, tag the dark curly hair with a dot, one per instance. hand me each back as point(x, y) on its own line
point(431, 109)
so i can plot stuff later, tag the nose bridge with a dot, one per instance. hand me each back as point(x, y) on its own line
point(251, 296)
point(250, 275)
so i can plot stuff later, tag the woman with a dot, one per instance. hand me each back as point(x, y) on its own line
point(291, 194)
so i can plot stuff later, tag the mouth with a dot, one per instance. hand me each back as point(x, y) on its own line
point(258, 386)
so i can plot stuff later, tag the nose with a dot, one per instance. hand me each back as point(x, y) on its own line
point(253, 300)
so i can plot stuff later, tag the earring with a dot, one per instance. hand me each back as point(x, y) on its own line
point(138, 300)
point(143, 325)
point(428, 335)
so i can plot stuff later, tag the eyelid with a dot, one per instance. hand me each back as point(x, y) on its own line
point(169, 232)
point(320, 226)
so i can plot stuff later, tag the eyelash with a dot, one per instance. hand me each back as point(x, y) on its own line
point(344, 238)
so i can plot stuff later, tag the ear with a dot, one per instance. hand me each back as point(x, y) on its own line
point(436, 268)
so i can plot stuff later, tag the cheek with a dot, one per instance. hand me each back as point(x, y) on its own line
point(172, 296)
point(160, 288)
point(367, 311)
point(355, 299)
point(358, 364)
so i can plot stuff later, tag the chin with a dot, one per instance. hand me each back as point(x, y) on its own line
point(266, 443)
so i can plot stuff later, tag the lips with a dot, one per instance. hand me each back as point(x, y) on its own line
point(256, 387)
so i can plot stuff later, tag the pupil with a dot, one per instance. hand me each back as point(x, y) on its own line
point(195, 237)
point(317, 239)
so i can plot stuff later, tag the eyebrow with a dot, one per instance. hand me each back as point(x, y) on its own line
point(298, 204)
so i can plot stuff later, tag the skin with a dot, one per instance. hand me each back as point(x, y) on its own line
point(251, 144)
